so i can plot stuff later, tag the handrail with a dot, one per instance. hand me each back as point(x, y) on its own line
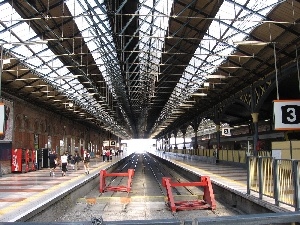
point(275, 178)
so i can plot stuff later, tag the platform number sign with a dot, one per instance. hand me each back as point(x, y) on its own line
point(287, 114)
point(226, 131)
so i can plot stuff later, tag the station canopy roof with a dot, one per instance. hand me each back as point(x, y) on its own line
point(142, 68)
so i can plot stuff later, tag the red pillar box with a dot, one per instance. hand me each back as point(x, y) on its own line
point(16, 160)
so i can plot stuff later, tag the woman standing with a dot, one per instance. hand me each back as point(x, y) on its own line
point(64, 163)
point(86, 161)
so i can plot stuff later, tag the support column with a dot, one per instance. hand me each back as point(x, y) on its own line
point(169, 142)
point(195, 126)
point(217, 121)
point(184, 133)
point(255, 133)
point(175, 137)
point(218, 140)
point(196, 142)
point(165, 143)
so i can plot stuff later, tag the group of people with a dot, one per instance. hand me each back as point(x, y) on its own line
point(67, 159)
point(108, 153)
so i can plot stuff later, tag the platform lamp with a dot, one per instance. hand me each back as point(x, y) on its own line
point(2, 107)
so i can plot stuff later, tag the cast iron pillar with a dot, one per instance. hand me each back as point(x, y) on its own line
point(255, 133)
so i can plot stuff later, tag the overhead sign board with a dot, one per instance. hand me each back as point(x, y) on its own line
point(226, 131)
point(287, 114)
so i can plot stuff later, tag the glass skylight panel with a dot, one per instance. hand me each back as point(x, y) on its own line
point(92, 46)
point(40, 48)
point(9, 17)
point(43, 69)
point(22, 51)
point(103, 43)
point(34, 62)
point(105, 39)
point(22, 31)
point(153, 26)
point(246, 22)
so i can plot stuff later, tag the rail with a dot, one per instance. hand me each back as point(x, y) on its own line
point(252, 219)
point(274, 178)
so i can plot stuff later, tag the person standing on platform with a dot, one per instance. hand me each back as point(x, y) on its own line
point(64, 163)
point(53, 162)
point(77, 159)
point(107, 155)
point(70, 160)
point(103, 154)
point(86, 161)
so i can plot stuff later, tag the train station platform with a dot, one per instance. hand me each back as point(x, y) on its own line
point(229, 177)
point(22, 193)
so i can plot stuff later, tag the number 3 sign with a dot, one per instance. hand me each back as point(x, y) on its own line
point(287, 114)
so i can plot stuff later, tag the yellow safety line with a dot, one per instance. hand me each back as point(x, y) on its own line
point(32, 198)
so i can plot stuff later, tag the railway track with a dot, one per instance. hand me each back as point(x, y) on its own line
point(145, 201)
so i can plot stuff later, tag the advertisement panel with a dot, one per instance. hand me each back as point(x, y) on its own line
point(16, 160)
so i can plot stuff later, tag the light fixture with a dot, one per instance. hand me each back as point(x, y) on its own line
point(20, 79)
point(206, 84)
point(199, 94)
point(186, 105)
point(28, 42)
point(5, 61)
point(215, 76)
point(71, 104)
point(248, 42)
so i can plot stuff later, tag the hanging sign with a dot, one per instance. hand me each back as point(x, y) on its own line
point(105, 143)
point(226, 131)
point(287, 114)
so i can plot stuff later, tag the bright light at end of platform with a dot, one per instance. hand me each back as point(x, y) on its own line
point(140, 145)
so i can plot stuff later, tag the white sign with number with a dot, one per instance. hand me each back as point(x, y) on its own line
point(287, 114)
point(226, 131)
